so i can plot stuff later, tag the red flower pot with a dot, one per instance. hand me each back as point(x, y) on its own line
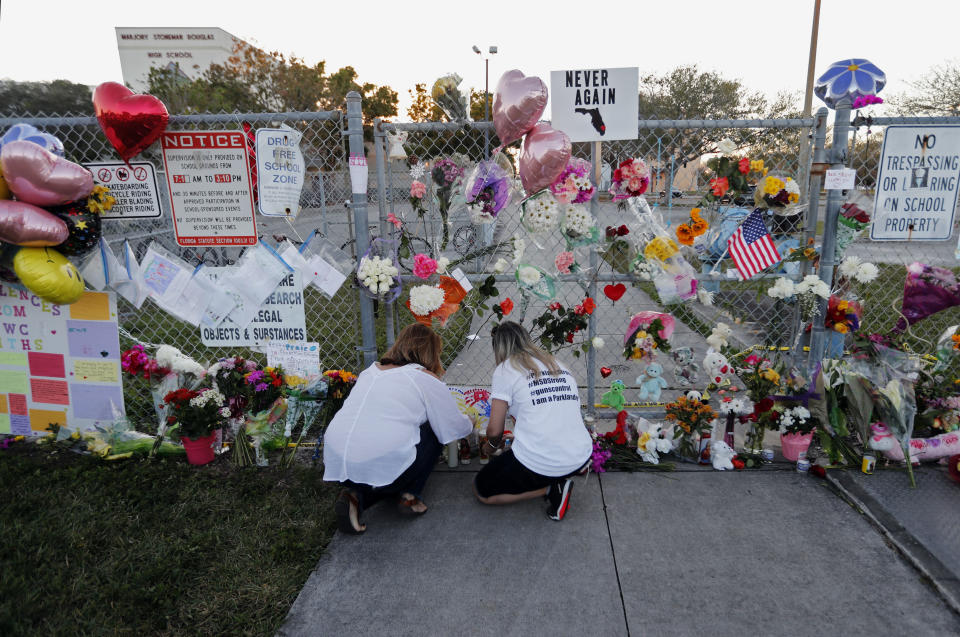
point(795, 444)
point(199, 450)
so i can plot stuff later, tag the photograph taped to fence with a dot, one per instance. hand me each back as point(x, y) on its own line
point(917, 184)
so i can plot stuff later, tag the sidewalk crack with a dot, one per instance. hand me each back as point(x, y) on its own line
point(613, 552)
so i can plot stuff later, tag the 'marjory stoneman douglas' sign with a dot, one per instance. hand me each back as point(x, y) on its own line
point(592, 105)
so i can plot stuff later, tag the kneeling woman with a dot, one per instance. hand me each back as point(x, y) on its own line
point(388, 435)
point(551, 443)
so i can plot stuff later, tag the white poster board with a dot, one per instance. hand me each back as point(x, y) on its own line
point(208, 176)
point(592, 105)
point(917, 184)
point(280, 317)
point(59, 364)
point(134, 187)
point(280, 170)
point(297, 358)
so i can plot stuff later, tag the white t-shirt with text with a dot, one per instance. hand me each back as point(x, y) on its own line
point(549, 436)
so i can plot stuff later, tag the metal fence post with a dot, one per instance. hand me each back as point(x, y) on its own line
point(595, 160)
point(360, 223)
point(838, 158)
point(379, 143)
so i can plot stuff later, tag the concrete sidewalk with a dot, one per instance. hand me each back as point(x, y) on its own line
point(688, 552)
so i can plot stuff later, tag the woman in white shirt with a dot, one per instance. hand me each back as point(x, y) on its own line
point(551, 443)
point(388, 435)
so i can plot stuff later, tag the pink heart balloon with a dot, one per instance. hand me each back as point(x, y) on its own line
point(517, 105)
point(37, 176)
point(26, 225)
point(544, 155)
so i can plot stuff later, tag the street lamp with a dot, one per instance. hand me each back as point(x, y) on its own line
point(486, 98)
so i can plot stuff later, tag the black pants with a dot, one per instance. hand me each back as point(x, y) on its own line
point(412, 480)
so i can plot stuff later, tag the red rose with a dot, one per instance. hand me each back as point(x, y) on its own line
point(623, 231)
point(617, 175)
point(589, 305)
point(569, 337)
point(555, 306)
point(738, 464)
point(744, 166)
point(611, 232)
point(818, 471)
point(506, 306)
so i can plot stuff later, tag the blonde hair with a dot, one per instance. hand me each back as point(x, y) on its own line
point(417, 343)
point(512, 342)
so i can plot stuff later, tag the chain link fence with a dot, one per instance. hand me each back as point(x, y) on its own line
point(883, 298)
point(326, 190)
point(675, 152)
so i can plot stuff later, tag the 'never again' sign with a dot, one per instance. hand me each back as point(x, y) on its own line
point(592, 105)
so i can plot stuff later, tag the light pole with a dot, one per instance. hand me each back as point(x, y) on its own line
point(486, 98)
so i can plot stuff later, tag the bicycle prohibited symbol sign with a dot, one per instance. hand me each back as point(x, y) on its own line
point(134, 187)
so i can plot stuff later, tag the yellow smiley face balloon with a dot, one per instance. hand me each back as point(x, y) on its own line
point(49, 275)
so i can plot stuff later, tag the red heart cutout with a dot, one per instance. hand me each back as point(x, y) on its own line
point(130, 121)
point(614, 292)
point(605, 371)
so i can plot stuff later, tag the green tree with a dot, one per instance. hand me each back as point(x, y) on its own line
point(59, 97)
point(423, 108)
point(937, 92)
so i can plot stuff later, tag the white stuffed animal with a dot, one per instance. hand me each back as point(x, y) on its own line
point(719, 335)
point(397, 140)
point(721, 455)
point(650, 443)
point(716, 366)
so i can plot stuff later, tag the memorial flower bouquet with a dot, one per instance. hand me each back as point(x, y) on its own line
point(533, 280)
point(440, 301)
point(620, 252)
point(690, 419)
point(447, 175)
point(446, 93)
point(266, 407)
point(688, 232)
point(377, 271)
point(730, 174)
point(305, 398)
point(340, 383)
point(573, 185)
point(558, 325)
point(842, 316)
point(630, 179)
point(228, 376)
point(776, 192)
point(541, 213)
point(851, 223)
point(487, 191)
point(647, 334)
point(579, 227)
point(196, 413)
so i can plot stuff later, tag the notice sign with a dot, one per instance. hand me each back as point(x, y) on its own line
point(592, 105)
point(299, 359)
point(209, 181)
point(280, 317)
point(280, 171)
point(917, 184)
point(134, 187)
point(59, 364)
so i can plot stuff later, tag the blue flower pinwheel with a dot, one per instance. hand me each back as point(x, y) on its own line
point(851, 78)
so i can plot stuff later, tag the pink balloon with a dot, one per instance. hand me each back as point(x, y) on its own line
point(26, 225)
point(37, 176)
point(517, 105)
point(544, 155)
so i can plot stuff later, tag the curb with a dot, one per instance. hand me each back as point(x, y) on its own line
point(945, 582)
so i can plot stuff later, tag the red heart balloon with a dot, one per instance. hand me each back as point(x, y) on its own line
point(605, 371)
point(130, 121)
point(614, 292)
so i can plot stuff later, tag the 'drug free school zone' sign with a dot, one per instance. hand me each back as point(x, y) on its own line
point(592, 105)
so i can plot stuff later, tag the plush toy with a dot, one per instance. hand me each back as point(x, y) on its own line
point(693, 394)
point(716, 366)
point(614, 398)
point(686, 371)
point(719, 335)
point(882, 439)
point(652, 442)
point(651, 382)
point(397, 140)
point(721, 455)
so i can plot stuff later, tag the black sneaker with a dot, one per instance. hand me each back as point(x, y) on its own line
point(559, 496)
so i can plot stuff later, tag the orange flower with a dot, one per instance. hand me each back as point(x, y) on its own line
point(699, 226)
point(695, 213)
point(589, 305)
point(720, 186)
point(685, 234)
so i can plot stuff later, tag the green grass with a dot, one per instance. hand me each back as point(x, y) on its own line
point(159, 547)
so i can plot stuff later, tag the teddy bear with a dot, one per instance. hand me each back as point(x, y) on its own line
point(651, 382)
point(614, 398)
point(686, 371)
point(721, 455)
point(716, 366)
point(652, 442)
point(719, 335)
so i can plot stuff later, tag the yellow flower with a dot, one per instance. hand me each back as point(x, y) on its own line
point(793, 197)
point(765, 172)
point(641, 335)
point(294, 381)
point(841, 327)
point(756, 166)
point(771, 375)
point(772, 186)
point(843, 305)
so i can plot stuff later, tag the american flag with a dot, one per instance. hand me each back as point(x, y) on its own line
point(751, 247)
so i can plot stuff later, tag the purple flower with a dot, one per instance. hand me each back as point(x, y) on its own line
point(490, 187)
point(261, 387)
point(254, 377)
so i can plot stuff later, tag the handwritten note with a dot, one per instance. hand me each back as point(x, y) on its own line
point(95, 371)
point(93, 339)
point(46, 364)
point(53, 392)
point(18, 404)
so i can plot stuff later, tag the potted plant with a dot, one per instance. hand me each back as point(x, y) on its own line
point(195, 416)
point(796, 430)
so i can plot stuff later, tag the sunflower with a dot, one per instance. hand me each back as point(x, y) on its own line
point(699, 226)
point(685, 234)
